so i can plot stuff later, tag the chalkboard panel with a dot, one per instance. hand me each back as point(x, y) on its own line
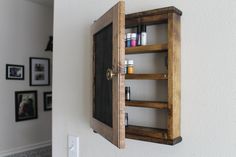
point(102, 109)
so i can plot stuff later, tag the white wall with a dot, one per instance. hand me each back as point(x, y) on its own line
point(24, 31)
point(208, 79)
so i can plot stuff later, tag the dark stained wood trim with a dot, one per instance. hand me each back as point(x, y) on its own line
point(118, 82)
point(174, 71)
point(148, 104)
point(147, 20)
point(155, 140)
point(159, 11)
point(150, 17)
point(146, 131)
point(161, 76)
point(156, 48)
point(116, 134)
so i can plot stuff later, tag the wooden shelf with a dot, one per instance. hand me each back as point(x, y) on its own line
point(146, 131)
point(148, 104)
point(151, 17)
point(147, 49)
point(161, 76)
point(150, 134)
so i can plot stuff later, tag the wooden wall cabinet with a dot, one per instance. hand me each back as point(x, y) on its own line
point(109, 52)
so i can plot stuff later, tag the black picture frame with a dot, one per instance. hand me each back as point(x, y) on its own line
point(39, 71)
point(26, 107)
point(47, 101)
point(15, 72)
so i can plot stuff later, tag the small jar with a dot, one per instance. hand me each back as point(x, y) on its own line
point(130, 66)
point(133, 39)
point(128, 39)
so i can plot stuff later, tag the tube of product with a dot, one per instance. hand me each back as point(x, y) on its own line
point(133, 39)
point(127, 93)
point(143, 35)
point(128, 39)
point(138, 35)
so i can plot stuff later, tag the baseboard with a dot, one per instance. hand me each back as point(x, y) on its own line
point(25, 148)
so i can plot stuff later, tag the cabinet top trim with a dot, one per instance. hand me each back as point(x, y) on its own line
point(160, 11)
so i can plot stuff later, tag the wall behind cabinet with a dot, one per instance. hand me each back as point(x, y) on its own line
point(208, 79)
point(24, 31)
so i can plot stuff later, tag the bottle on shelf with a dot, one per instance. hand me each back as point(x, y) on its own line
point(133, 39)
point(128, 39)
point(138, 35)
point(127, 93)
point(130, 66)
point(143, 35)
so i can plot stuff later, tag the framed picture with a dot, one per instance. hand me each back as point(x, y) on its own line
point(14, 72)
point(26, 105)
point(47, 101)
point(39, 71)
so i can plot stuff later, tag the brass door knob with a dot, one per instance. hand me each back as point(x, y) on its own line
point(110, 74)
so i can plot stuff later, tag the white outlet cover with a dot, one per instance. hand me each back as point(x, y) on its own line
point(73, 146)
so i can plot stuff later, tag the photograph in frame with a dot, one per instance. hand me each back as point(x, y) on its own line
point(47, 101)
point(14, 72)
point(26, 105)
point(39, 71)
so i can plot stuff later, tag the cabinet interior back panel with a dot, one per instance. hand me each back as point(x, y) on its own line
point(156, 34)
point(150, 63)
point(149, 90)
point(147, 117)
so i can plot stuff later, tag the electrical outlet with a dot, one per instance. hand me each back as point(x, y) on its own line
point(73, 146)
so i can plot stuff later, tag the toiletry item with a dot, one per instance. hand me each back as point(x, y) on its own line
point(126, 119)
point(143, 35)
point(127, 93)
point(138, 43)
point(133, 39)
point(128, 39)
point(130, 66)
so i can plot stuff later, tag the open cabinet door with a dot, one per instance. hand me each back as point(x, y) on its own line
point(109, 79)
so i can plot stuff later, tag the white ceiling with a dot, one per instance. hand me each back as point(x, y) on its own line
point(44, 2)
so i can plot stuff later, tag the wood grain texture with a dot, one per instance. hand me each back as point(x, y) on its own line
point(146, 20)
point(148, 104)
point(146, 131)
point(157, 48)
point(116, 134)
point(174, 97)
point(118, 82)
point(161, 76)
point(103, 21)
point(159, 11)
point(155, 140)
point(102, 129)
point(151, 17)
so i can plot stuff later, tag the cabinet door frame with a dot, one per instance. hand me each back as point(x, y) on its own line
point(116, 133)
